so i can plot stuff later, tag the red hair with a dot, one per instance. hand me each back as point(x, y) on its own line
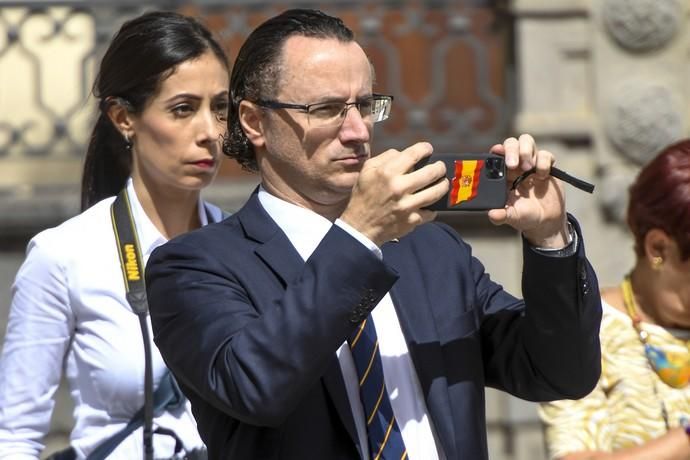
point(660, 198)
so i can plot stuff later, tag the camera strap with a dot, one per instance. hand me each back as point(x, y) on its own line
point(168, 394)
point(133, 274)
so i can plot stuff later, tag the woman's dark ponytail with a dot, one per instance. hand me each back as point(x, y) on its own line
point(107, 165)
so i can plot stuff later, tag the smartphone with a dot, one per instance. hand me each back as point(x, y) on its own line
point(477, 181)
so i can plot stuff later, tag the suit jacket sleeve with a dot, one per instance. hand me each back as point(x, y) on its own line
point(547, 348)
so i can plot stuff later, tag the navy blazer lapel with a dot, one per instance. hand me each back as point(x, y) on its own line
point(413, 309)
point(274, 246)
point(278, 253)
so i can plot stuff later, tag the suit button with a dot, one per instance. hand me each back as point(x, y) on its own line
point(358, 313)
point(585, 288)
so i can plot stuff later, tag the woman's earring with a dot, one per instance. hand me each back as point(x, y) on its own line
point(128, 143)
point(657, 262)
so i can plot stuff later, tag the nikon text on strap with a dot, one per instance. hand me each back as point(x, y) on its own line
point(133, 274)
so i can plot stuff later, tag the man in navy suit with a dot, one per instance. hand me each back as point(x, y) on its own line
point(258, 316)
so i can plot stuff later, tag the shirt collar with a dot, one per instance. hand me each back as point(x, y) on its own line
point(304, 228)
point(149, 236)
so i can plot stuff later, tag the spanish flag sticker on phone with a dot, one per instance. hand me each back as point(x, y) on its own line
point(465, 182)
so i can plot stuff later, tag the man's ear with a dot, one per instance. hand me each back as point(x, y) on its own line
point(121, 118)
point(251, 122)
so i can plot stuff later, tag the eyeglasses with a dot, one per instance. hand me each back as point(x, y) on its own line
point(374, 108)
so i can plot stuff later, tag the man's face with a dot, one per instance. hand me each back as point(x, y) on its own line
point(317, 166)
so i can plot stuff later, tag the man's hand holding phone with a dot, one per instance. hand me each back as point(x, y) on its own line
point(389, 199)
point(516, 183)
point(537, 206)
point(399, 190)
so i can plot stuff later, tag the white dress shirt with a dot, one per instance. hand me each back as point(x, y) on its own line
point(69, 313)
point(305, 229)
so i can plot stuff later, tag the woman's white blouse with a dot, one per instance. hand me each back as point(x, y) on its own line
point(69, 313)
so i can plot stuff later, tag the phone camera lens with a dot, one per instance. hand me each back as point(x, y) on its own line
point(494, 168)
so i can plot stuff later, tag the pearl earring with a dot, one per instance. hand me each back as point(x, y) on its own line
point(657, 262)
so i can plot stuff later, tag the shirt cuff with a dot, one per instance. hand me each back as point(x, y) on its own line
point(568, 250)
point(360, 237)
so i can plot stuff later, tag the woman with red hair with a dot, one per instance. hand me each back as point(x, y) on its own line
point(640, 407)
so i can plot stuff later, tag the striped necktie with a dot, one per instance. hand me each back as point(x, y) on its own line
point(385, 439)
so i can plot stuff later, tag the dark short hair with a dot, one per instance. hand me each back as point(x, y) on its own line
point(145, 51)
point(256, 71)
point(660, 198)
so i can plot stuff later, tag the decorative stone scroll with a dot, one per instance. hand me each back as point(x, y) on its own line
point(642, 117)
point(642, 25)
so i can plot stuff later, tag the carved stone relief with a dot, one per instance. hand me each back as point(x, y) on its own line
point(642, 25)
point(643, 117)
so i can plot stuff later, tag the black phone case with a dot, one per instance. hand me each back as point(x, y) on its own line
point(475, 183)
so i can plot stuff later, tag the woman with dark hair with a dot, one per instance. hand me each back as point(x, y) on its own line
point(163, 98)
point(640, 408)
